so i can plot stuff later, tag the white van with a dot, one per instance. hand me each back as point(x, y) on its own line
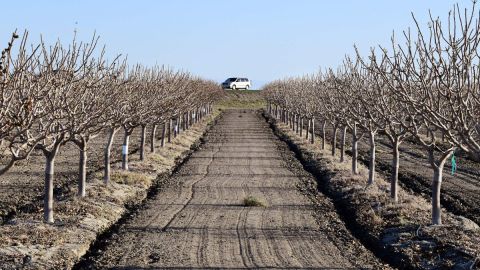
point(236, 83)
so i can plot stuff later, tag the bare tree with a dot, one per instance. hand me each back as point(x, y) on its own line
point(394, 120)
point(434, 75)
point(60, 68)
point(20, 102)
point(89, 115)
point(362, 111)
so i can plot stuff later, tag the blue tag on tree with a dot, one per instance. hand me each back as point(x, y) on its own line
point(454, 164)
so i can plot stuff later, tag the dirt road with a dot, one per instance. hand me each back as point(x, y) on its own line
point(199, 220)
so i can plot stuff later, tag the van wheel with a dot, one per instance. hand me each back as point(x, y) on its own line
point(246, 87)
point(234, 87)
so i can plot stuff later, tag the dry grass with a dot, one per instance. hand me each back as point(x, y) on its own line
point(131, 178)
point(242, 99)
point(251, 201)
point(165, 158)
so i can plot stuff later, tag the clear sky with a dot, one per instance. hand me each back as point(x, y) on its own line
point(261, 39)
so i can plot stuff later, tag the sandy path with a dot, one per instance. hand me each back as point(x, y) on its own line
point(199, 220)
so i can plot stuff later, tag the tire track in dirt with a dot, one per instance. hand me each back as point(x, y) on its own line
point(200, 222)
point(192, 192)
point(241, 237)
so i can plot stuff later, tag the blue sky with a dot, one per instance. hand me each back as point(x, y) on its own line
point(261, 39)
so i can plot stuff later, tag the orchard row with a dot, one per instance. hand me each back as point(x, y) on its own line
point(57, 94)
point(425, 87)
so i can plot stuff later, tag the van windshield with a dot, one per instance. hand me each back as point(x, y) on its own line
point(231, 79)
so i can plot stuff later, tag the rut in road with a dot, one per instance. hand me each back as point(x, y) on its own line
point(199, 221)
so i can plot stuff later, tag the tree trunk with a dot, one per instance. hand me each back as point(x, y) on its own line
point(307, 132)
point(48, 197)
point(437, 184)
point(334, 139)
point(185, 119)
point(175, 128)
point(82, 169)
point(295, 123)
point(342, 145)
point(301, 126)
point(324, 134)
point(108, 147)
point(298, 124)
point(292, 121)
point(179, 124)
point(395, 166)
point(436, 190)
point(48, 189)
point(371, 167)
point(142, 142)
point(153, 138)
point(169, 130)
point(183, 122)
point(126, 140)
point(164, 129)
point(354, 150)
point(312, 136)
